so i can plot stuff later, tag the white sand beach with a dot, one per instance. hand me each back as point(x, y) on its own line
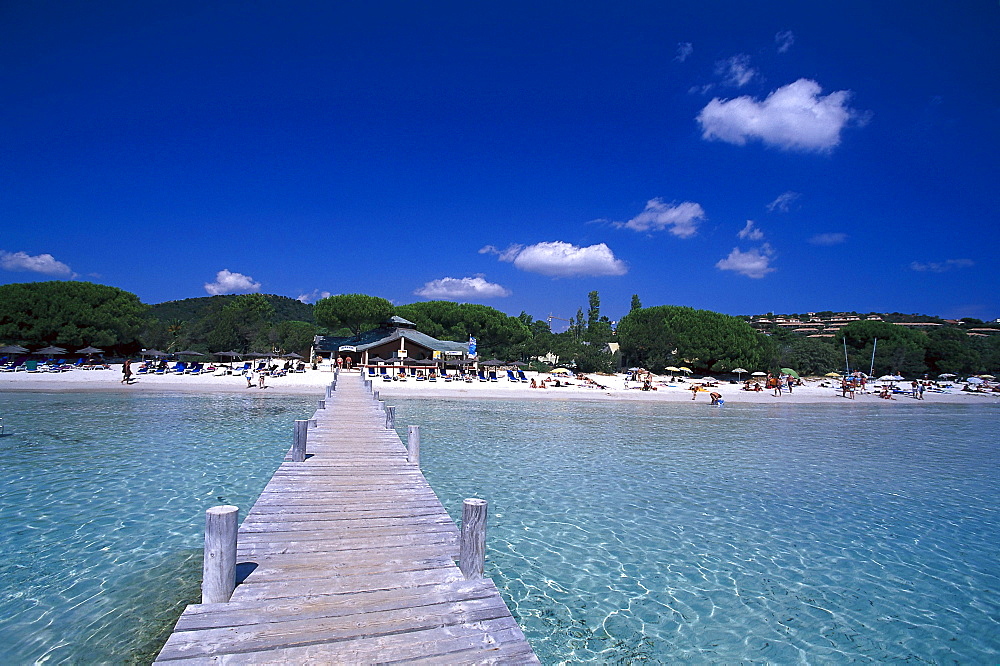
point(314, 381)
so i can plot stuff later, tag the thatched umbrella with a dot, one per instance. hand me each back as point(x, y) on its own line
point(13, 349)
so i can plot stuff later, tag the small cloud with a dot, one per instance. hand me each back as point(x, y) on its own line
point(835, 238)
point(755, 263)
point(313, 296)
point(793, 117)
point(559, 259)
point(784, 202)
point(679, 219)
point(227, 282)
point(684, 49)
point(750, 232)
point(504, 255)
point(45, 264)
point(736, 71)
point(450, 288)
point(784, 40)
point(943, 266)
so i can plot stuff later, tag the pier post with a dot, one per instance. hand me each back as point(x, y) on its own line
point(472, 548)
point(413, 444)
point(375, 396)
point(329, 390)
point(321, 404)
point(333, 386)
point(219, 571)
point(299, 443)
point(390, 418)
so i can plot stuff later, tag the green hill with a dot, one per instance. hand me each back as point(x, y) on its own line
point(192, 309)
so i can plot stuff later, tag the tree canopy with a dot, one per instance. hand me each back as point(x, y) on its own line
point(70, 314)
point(355, 312)
point(705, 341)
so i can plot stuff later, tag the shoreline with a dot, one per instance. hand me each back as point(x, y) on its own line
point(314, 381)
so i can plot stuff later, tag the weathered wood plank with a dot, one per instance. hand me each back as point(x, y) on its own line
point(352, 557)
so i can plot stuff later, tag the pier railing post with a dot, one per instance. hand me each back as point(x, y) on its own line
point(413, 444)
point(472, 548)
point(299, 443)
point(390, 417)
point(375, 396)
point(329, 390)
point(321, 404)
point(219, 571)
point(333, 386)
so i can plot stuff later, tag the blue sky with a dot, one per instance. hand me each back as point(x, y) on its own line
point(783, 156)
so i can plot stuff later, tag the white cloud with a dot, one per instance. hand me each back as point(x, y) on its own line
point(793, 117)
point(559, 259)
point(942, 266)
point(39, 263)
point(467, 287)
point(736, 71)
point(750, 232)
point(755, 263)
point(679, 219)
point(313, 296)
point(231, 283)
point(684, 49)
point(784, 202)
point(833, 238)
point(784, 40)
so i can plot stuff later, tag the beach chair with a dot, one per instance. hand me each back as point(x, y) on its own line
point(196, 369)
point(432, 376)
point(512, 378)
point(445, 376)
point(520, 375)
point(31, 366)
point(179, 367)
point(385, 375)
point(371, 371)
point(493, 376)
point(15, 366)
point(482, 376)
point(244, 370)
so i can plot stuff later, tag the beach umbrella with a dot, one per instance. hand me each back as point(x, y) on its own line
point(292, 355)
point(190, 352)
point(520, 364)
point(560, 371)
point(230, 355)
point(739, 373)
point(13, 349)
point(89, 351)
point(947, 375)
point(376, 359)
point(51, 351)
point(671, 368)
point(155, 353)
point(685, 369)
point(492, 363)
point(758, 374)
point(890, 378)
point(789, 371)
point(832, 374)
point(973, 380)
point(987, 377)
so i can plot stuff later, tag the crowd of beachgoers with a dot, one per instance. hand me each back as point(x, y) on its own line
point(510, 382)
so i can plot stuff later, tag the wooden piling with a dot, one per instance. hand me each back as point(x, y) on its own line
point(472, 547)
point(390, 417)
point(413, 444)
point(299, 443)
point(219, 570)
point(321, 404)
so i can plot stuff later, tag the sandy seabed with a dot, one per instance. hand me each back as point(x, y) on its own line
point(315, 381)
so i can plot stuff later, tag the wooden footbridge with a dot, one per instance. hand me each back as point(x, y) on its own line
point(347, 557)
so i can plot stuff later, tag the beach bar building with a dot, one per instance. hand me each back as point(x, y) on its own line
point(396, 338)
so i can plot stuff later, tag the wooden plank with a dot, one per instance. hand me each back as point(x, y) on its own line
point(352, 557)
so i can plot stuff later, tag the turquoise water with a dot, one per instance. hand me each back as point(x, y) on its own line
point(102, 509)
point(618, 533)
point(795, 533)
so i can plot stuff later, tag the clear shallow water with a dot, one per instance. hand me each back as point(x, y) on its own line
point(102, 511)
point(794, 533)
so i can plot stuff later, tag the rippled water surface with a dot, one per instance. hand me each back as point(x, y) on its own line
point(102, 501)
point(796, 533)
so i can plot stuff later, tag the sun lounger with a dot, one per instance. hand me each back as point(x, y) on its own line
point(511, 377)
point(31, 366)
point(520, 375)
point(493, 375)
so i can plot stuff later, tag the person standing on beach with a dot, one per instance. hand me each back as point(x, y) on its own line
point(127, 371)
